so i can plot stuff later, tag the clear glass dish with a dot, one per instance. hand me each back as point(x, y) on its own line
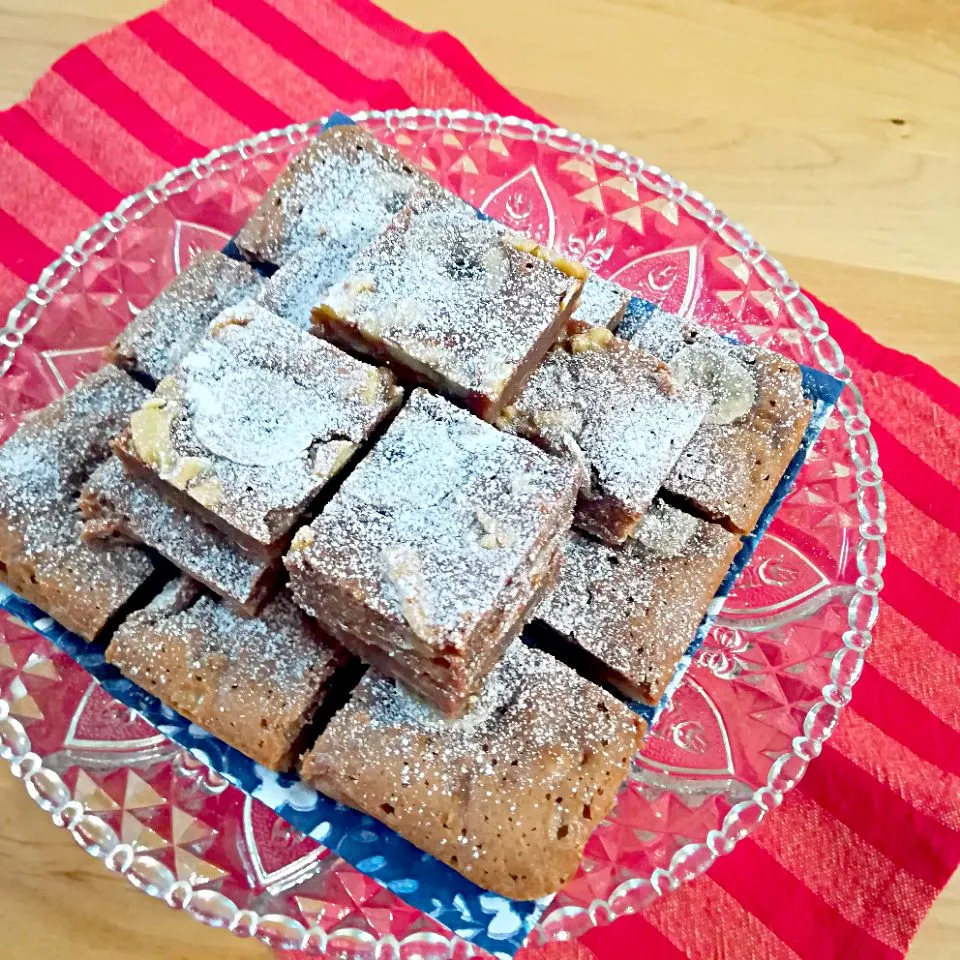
point(762, 696)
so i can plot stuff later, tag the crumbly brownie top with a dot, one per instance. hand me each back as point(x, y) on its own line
point(42, 467)
point(453, 293)
point(345, 185)
point(613, 410)
point(165, 331)
point(300, 284)
point(529, 704)
point(662, 333)
point(278, 649)
point(46, 462)
point(442, 517)
point(743, 381)
point(204, 552)
point(637, 608)
point(258, 418)
point(757, 416)
point(602, 302)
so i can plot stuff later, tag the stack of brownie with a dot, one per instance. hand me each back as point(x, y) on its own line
point(322, 491)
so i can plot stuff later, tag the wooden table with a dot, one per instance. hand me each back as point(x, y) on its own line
point(831, 127)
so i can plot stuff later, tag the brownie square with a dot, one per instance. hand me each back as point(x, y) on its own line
point(167, 330)
point(304, 279)
point(253, 424)
point(436, 546)
point(452, 302)
point(344, 185)
point(254, 683)
point(602, 303)
point(508, 795)
point(116, 506)
point(616, 413)
point(42, 468)
point(626, 616)
point(757, 418)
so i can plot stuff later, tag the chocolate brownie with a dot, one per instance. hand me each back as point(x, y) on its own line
point(626, 616)
point(301, 283)
point(452, 302)
point(253, 424)
point(42, 468)
point(616, 413)
point(117, 506)
point(755, 424)
point(165, 331)
point(439, 680)
point(435, 547)
point(602, 303)
point(509, 794)
point(254, 683)
point(345, 185)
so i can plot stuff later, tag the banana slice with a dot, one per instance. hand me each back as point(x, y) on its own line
point(715, 370)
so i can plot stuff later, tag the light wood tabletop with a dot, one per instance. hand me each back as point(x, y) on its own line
point(830, 127)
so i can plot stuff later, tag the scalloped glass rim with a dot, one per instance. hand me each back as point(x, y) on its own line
point(145, 873)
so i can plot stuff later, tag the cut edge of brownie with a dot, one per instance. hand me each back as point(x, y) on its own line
point(117, 508)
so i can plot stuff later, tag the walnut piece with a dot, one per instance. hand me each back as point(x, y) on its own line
point(403, 569)
point(207, 492)
point(302, 540)
point(150, 433)
point(185, 470)
point(495, 533)
point(596, 338)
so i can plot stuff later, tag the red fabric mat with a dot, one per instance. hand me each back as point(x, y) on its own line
point(853, 860)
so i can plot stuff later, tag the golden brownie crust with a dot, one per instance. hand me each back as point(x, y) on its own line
point(508, 795)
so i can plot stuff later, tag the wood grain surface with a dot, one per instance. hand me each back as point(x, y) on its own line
point(830, 127)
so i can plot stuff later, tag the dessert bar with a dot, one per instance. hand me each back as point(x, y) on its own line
point(117, 506)
point(755, 424)
point(509, 795)
point(42, 468)
point(626, 615)
point(602, 303)
point(344, 185)
point(452, 302)
point(430, 678)
point(254, 683)
point(616, 413)
point(253, 424)
point(165, 331)
point(303, 281)
point(435, 547)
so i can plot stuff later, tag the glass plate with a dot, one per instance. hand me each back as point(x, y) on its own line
point(762, 696)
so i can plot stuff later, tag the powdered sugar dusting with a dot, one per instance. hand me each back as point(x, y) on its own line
point(271, 414)
point(114, 501)
point(403, 530)
point(448, 296)
point(637, 608)
point(42, 468)
point(757, 416)
point(602, 302)
point(345, 186)
point(508, 794)
point(162, 334)
point(254, 682)
point(521, 675)
point(300, 284)
point(615, 412)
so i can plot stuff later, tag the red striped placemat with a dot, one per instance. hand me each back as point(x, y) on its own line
point(856, 855)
